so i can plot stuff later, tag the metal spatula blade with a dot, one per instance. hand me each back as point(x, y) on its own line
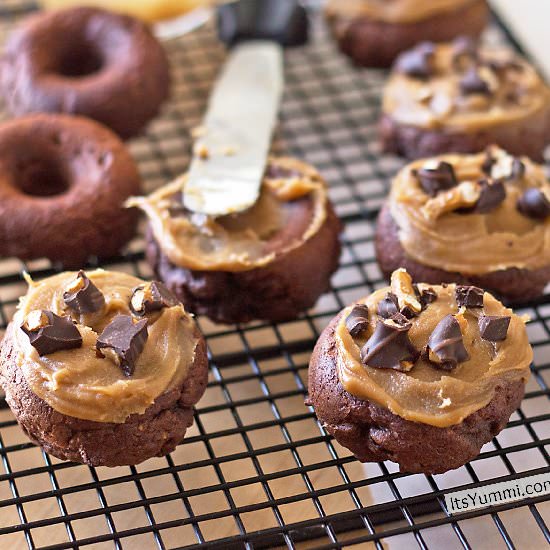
point(231, 155)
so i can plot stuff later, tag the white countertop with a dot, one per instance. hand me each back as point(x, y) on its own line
point(528, 21)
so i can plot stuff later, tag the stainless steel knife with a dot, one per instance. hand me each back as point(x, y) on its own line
point(231, 151)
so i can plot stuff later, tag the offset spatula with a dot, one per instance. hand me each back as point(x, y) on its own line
point(231, 153)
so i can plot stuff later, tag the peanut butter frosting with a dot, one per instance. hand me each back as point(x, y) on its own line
point(394, 11)
point(293, 194)
point(444, 94)
point(426, 394)
point(82, 384)
point(438, 232)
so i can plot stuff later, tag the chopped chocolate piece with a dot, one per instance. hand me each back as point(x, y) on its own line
point(465, 51)
point(440, 178)
point(122, 340)
point(358, 320)
point(445, 348)
point(400, 319)
point(389, 306)
point(151, 297)
point(49, 332)
point(389, 347)
point(426, 297)
point(534, 204)
point(494, 328)
point(418, 62)
point(408, 312)
point(469, 296)
point(493, 194)
point(473, 83)
point(83, 296)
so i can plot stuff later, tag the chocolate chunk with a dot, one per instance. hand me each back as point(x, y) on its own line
point(389, 347)
point(358, 320)
point(465, 51)
point(83, 296)
point(473, 83)
point(122, 340)
point(389, 306)
point(494, 328)
point(49, 332)
point(418, 62)
point(469, 296)
point(445, 348)
point(401, 319)
point(493, 194)
point(440, 178)
point(426, 297)
point(151, 297)
point(534, 204)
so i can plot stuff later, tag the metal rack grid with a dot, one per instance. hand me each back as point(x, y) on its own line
point(256, 470)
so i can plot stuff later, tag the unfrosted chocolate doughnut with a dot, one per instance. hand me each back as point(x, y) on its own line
point(86, 61)
point(371, 41)
point(63, 181)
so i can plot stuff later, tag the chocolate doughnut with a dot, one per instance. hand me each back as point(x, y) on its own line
point(478, 219)
point(459, 97)
point(86, 61)
point(422, 376)
point(271, 262)
point(373, 32)
point(63, 181)
point(103, 368)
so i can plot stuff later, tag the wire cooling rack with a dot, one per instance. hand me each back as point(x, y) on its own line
point(256, 470)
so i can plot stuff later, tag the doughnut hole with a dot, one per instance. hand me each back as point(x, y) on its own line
point(78, 59)
point(41, 177)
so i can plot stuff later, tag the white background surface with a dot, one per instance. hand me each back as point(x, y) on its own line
point(528, 20)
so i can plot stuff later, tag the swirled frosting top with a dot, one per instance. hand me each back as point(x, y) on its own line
point(473, 214)
point(439, 365)
point(82, 383)
point(463, 87)
point(291, 209)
